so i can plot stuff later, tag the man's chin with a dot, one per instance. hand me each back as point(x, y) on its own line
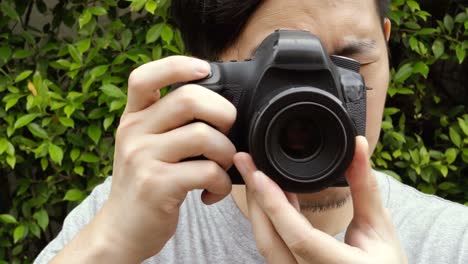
point(328, 199)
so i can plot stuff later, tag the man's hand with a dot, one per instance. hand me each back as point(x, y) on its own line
point(284, 236)
point(152, 171)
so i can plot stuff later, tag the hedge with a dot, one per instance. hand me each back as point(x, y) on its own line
point(63, 87)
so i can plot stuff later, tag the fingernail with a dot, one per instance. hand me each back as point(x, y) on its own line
point(201, 67)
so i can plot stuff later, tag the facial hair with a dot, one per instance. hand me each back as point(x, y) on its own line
point(322, 205)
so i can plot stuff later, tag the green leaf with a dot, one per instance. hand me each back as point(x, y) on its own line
point(42, 218)
point(11, 161)
point(79, 170)
point(391, 111)
point(399, 137)
point(455, 137)
point(413, 5)
point(403, 73)
point(151, 6)
point(11, 100)
point(22, 53)
point(68, 122)
point(426, 187)
point(156, 52)
point(74, 154)
point(451, 155)
point(153, 33)
point(64, 63)
point(167, 34)
point(44, 163)
point(137, 5)
point(98, 113)
point(68, 110)
point(74, 53)
point(412, 25)
point(10, 149)
point(425, 158)
point(463, 125)
point(386, 155)
point(108, 121)
point(444, 171)
point(421, 68)
point(19, 233)
point(7, 219)
point(55, 153)
point(89, 158)
point(83, 45)
point(448, 23)
point(84, 18)
point(9, 11)
point(460, 52)
point(23, 76)
point(98, 10)
point(94, 132)
point(126, 38)
point(74, 195)
point(461, 18)
point(426, 31)
point(37, 131)
point(5, 54)
point(415, 156)
point(414, 44)
point(99, 71)
point(34, 229)
point(24, 120)
point(398, 2)
point(438, 48)
point(117, 105)
point(113, 91)
point(445, 186)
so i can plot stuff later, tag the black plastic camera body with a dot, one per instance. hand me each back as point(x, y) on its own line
point(299, 110)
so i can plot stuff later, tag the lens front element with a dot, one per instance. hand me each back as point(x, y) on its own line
point(303, 139)
point(300, 138)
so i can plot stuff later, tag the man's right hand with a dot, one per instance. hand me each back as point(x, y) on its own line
point(151, 173)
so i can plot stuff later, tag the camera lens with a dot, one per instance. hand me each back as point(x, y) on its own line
point(303, 139)
point(296, 145)
point(300, 138)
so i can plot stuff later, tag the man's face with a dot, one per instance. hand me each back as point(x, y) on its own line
point(349, 28)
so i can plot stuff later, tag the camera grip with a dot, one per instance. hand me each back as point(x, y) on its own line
point(357, 111)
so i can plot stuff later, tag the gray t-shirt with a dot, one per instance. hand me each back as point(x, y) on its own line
point(432, 230)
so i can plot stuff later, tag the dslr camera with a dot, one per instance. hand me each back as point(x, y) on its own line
point(299, 110)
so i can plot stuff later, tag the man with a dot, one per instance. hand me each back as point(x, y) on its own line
point(150, 211)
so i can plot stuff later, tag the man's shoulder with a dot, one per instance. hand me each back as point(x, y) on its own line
point(398, 195)
point(426, 222)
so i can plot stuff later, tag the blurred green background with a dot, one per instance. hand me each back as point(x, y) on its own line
point(63, 71)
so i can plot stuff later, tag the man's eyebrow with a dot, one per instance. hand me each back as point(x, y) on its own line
point(351, 47)
point(356, 46)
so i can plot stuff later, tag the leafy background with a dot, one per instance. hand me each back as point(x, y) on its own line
point(63, 88)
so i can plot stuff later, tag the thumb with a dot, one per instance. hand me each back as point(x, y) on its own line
point(367, 203)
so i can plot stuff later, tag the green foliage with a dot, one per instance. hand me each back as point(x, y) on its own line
point(424, 140)
point(63, 89)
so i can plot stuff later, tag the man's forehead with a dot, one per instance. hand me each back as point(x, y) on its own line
point(340, 24)
point(320, 9)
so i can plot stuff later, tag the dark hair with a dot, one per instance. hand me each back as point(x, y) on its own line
point(208, 27)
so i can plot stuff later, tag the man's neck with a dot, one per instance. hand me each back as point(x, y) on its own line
point(331, 221)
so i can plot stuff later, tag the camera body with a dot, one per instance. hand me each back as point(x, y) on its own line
point(299, 110)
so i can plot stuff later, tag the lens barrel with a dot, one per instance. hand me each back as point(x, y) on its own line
point(303, 139)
